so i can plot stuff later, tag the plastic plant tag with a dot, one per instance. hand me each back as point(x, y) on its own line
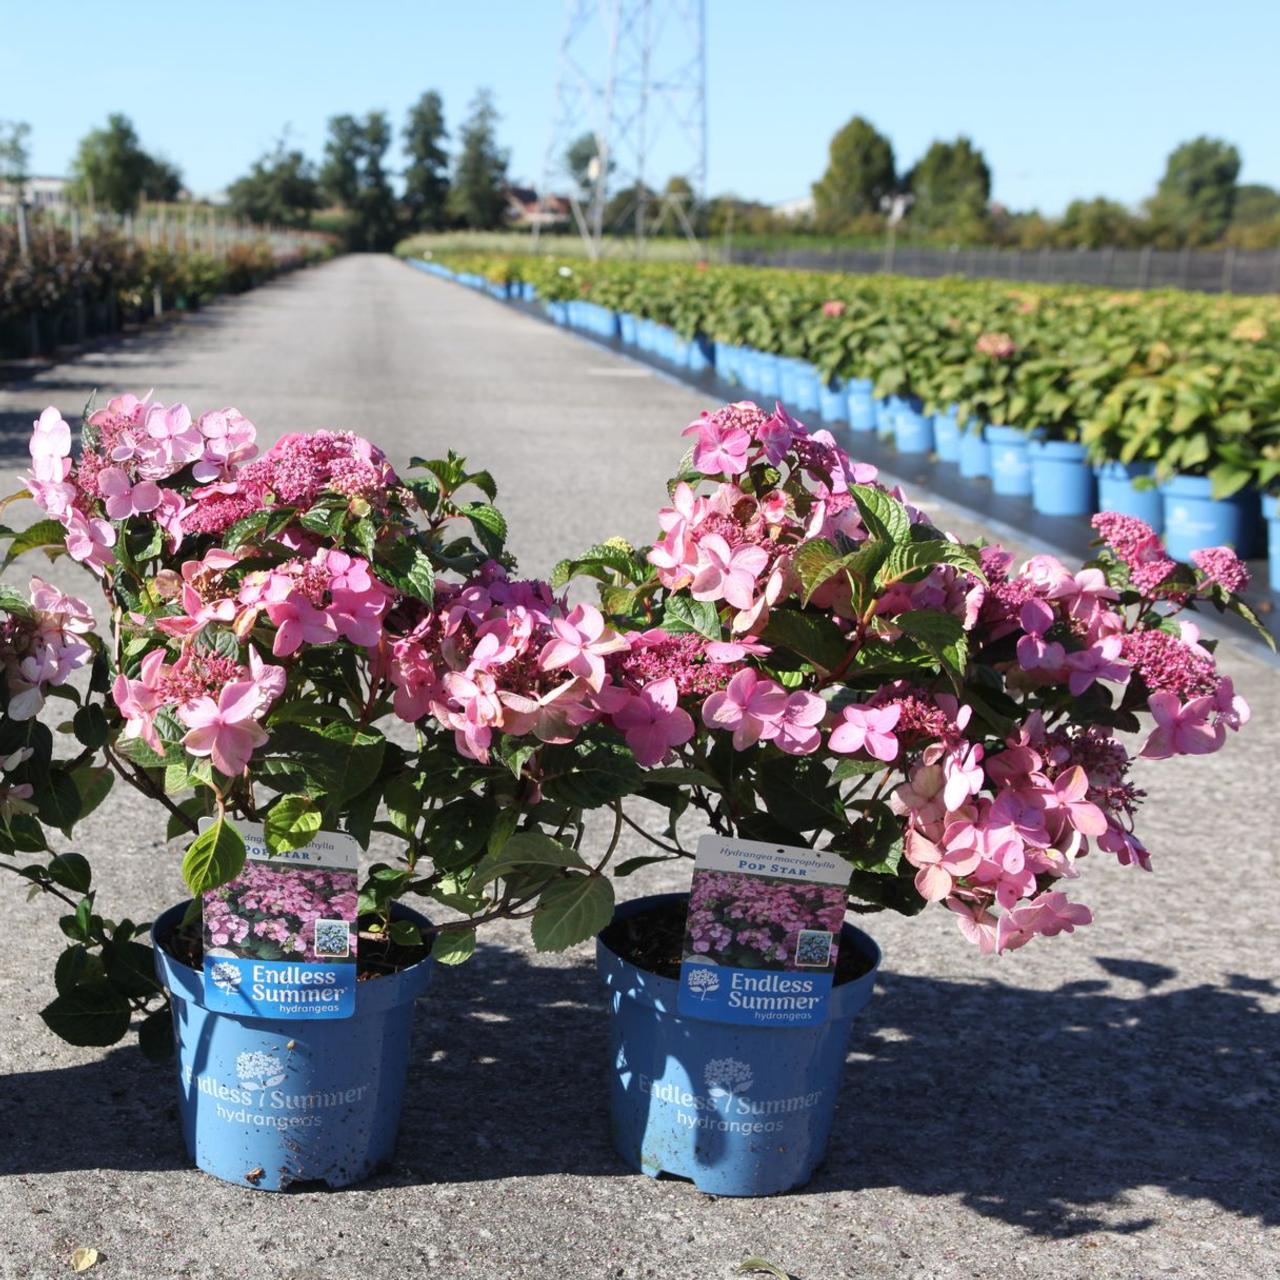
point(280, 939)
point(764, 927)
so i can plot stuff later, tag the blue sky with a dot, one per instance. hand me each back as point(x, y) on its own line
point(1066, 97)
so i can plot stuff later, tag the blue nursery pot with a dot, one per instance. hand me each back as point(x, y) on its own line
point(700, 355)
point(1116, 492)
point(1062, 481)
point(267, 1102)
point(1010, 461)
point(788, 381)
point(833, 401)
point(1194, 518)
point(862, 405)
point(740, 1110)
point(767, 373)
point(627, 327)
point(1271, 514)
point(975, 452)
point(913, 431)
point(808, 387)
point(946, 436)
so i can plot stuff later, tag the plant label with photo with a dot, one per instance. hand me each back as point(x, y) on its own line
point(764, 927)
point(280, 939)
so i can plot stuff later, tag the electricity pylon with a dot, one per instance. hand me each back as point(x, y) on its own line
point(633, 76)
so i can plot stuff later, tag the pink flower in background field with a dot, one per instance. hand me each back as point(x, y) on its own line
point(833, 308)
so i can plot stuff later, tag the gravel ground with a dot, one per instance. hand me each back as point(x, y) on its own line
point(1104, 1105)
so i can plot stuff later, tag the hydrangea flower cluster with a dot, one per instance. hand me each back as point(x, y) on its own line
point(268, 914)
point(964, 711)
point(41, 645)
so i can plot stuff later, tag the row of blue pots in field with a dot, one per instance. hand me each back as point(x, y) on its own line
point(1055, 474)
point(742, 1111)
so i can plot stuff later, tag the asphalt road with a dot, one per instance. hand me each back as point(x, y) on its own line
point(1104, 1105)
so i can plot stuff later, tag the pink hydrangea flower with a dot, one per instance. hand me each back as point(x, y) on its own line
point(651, 720)
point(581, 642)
point(226, 729)
point(1223, 566)
point(752, 706)
point(1182, 729)
point(867, 728)
point(724, 574)
point(721, 448)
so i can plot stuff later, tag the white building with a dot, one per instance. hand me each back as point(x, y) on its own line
point(801, 207)
point(39, 193)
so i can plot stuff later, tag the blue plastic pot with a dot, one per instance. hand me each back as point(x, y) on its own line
point(267, 1102)
point(766, 371)
point(833, 401)
point(559, 312)
point(862, 405)
point(913, 432)
point(808, 394)
point(1010, 462)
point(1116, 492)
point(1194, 518)
point(725, 357)
point(1271, 514)
point(1062, 481)
point(946, 436)
point(701, 354)
point(670, 1110)
point(627, 327)
point(788, 380)
point(975, 453)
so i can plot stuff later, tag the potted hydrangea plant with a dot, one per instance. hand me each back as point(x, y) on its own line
point(270, 619)
point(821, 667)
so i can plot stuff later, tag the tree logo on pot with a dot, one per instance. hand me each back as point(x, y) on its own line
point(703, 981)
point(259, 1070)
point(728, 1077)
point(226, 977)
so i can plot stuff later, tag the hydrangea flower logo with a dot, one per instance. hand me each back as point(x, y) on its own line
point(226, 977)
point(259, 1070)
point(728, 1077)
point(702, 981)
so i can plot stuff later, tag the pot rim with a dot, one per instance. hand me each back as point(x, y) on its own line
point(661, 994)
point(184, 982)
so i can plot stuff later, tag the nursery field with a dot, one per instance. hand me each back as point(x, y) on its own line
point(1105, 1106)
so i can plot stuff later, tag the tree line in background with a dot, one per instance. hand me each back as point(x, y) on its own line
point(942, 199)
point(946, 196)
point(349, 191)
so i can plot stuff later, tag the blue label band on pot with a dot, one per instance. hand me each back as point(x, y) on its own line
point(762, 934)
point(280, 939)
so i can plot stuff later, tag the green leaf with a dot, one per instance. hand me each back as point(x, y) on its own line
point(91, 1014)
point(884, 516)
point(130, 968)
point(489, 524)
point(76, 965)
point(44, 533)
point(756, 1264)
point(812, 636)
point(909, 558)
point(155, 1035)
point(94, 783)
point(404, 933)
point(408, 568)
point(214, 857)
point(90, 725)
point(454, 946)
point(586, 776)
point(815, 562)
point(1238, 606)
point(571, 911)
point(294, 821)
point(855, 768)
point(246, 527)
point(632, 865)
point(682, 614)
point(524, 851)
point(71, 871)
point(58, 801)
point(943, 634)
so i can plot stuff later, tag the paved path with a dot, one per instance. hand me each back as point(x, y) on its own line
point(1102, 1106)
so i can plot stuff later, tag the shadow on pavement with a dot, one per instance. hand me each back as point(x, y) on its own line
point(1040, 1109)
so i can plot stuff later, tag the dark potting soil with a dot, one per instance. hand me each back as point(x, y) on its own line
point(376, 954)
point(653, 940)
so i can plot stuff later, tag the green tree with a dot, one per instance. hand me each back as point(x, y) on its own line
point(951, 184)
point(678, 194)
point(1255, 204)
point(281, 189)
point(622, 212)
point(1099, 224)
point(860, 171)
point(426, 180)
point(15, 158)
point(112, 169)
point(478, 197)
point(354, 176)
point(578, 158)
point(1194, 201)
